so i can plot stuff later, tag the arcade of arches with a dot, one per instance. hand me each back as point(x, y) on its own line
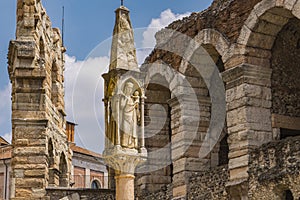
point(255, 45)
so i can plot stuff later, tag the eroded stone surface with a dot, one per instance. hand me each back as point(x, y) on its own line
point(41, 156)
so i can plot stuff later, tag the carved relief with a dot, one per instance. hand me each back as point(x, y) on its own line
point(129, 115)
point(124, 118)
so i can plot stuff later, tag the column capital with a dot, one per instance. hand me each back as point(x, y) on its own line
point(123, 160)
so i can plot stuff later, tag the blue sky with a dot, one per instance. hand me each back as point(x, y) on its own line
point(87, 24)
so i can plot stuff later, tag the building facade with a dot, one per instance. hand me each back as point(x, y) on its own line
point(255, 48)
point(88, 170)
point(222, 112)
point(41, 156)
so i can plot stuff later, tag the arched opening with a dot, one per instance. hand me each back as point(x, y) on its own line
point(54, 84)
point(285, 64)
point(215, 56)
point(63, 171)
point(275, 38)
point(288, 195)
point(157, 136)
point(95, 184)
point(50, 153)
point(52, 171)
point(272, 54)
point(42, 49)
point(222, 148)
point(218, 155)
point(223, 151)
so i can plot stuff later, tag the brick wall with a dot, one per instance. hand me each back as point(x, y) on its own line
point(79, 177)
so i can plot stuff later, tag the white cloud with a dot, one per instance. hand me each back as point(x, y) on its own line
point(84, 85)
point(7, 137)
point(166, 17)
point(5, 96)
point(84, 89)
point(148, 42)
point(5, 110)
point(83, 95)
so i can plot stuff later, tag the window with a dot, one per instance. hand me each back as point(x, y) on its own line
point(95, 184)
point(50, 153)
point(42, 50)
point(63, 169)
point(54, 84)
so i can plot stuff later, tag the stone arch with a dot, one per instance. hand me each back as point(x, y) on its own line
point(285, 86)
point(190, 104)
point(162, 69)
point(282, 191)
point(209, 48)
point(123, 81)
point(188, 91)
point(63, 171)
point(266, 20)
point(214, 38)
point(263, 45)
point(206, 37)
point(256, 50)
point(96, 184)
point(206, 51)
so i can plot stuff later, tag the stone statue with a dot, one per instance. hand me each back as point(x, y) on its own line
point(129, 116)
point(124, 23)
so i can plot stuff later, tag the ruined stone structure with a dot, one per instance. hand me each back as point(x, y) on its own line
point(41, 156)
point(251, 58)
point(88, 173)
point(255, 45)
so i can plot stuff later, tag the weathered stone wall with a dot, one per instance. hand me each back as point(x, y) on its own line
point(224, 16)
point(41, 155)
point(173, 126)
point(245, 46)
point(243, 34)
point(274, 168)
point(210, 184)
point(164, 193)
point(80, 194)
point(157, 169)
point(286, 72)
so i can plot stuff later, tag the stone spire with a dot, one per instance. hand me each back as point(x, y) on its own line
point(123, 52)
point(124, 98)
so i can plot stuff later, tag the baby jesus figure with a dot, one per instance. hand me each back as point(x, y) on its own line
point(136, 101)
